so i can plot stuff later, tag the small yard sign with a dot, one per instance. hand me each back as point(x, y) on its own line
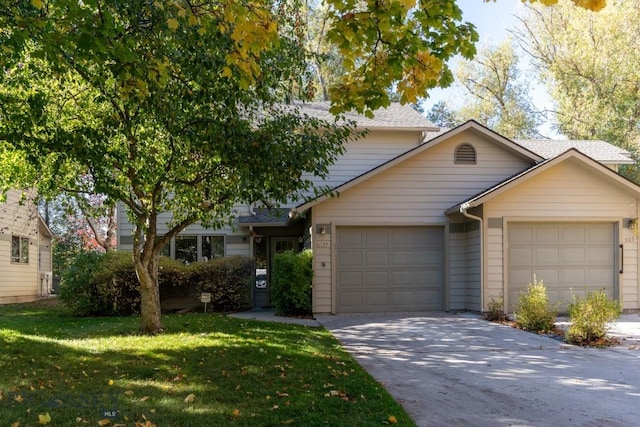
point(205, 297)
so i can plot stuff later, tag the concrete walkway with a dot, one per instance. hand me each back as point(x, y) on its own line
point(459, 370)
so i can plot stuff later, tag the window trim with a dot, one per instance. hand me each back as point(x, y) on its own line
point(464, 158)
point(23, 243)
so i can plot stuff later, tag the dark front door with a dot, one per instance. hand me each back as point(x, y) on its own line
point(277, 245)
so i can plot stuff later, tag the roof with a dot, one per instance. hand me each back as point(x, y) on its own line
point(599, 150)
point(439, 138)
point(511, 182)
point(266, 216)
point(395, 116)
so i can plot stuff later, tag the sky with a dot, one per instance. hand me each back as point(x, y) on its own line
point(492, 20)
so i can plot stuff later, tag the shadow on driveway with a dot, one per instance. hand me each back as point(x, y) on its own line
point(460, 370)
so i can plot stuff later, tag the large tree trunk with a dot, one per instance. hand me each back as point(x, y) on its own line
point(147, 271)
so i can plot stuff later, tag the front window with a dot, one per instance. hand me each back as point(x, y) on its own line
point(186, 248)
point(20, 249)
point(212, 247)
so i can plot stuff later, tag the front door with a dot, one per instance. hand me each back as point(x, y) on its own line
point(277, 245)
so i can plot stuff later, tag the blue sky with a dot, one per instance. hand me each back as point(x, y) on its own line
point(492, 20)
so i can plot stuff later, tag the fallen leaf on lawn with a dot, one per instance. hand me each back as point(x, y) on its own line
point(104, 422)
point(18, 399)
point(392, 419)
point(289, 421)
point(129, 392)
point(16, 424)
point(275, 407)
point(282, 394)
point(110, 382)
point(44, 418)
point(190, 399)
point(236, 413)
point(144, 398)
point(146, 424)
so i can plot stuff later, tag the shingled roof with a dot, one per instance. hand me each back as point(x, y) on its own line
point(395, 116)
point(599, 150)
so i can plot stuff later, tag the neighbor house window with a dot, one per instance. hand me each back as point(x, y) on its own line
point(465, 155)
point(20, 249)
point(212, 247)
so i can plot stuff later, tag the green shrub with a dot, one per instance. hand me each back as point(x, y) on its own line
point(77, 289)
point(590, 317)
point(495, 312)
point(533, 311)
point(228, 280)
point(107, 284)
point(291, 281)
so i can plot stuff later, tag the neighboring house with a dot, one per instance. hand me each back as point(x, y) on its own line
point(426, 219)
point(25, 251)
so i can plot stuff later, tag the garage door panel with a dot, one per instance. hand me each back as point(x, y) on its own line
point(377, 259)
point(547, 256)
point(401, 269)
point(376, 279)
point(570, 258)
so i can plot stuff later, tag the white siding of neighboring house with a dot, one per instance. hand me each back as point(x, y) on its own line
point(415, 192)
point(581, 197)
point(18, 281)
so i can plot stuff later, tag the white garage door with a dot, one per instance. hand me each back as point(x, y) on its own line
point(389, 269)
point(570, 258)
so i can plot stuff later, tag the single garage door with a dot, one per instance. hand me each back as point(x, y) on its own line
point(570, 258)
point(389, 269)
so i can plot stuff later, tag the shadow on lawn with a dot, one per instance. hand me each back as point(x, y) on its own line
point(239, 372)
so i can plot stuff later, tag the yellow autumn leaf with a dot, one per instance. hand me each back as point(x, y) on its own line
point(104, 422)
point(44, 418)
point(190, 398)
point(37, 4)
point(110, 382)
point(392, 419)
point(18, 399)
point(173, 24)
point(16, 424)
point(236, 413)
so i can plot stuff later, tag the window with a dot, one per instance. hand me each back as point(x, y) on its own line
point(212, 247)
point(186, 249)
point(465, 155)
point(20, 249)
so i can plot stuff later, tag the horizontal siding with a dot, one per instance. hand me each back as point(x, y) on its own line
point(583, 195)
point(18, 282)
point(420, 189)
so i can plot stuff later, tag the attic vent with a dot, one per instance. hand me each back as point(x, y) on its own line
point(465, 155)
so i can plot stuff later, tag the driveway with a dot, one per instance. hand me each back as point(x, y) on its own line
point(460, 370)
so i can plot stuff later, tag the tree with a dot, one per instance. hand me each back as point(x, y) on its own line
point(591, 70)
point(497, 96)
point(174, 106)
point(443, 115)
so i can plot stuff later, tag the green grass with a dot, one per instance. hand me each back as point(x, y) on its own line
point(204, 370)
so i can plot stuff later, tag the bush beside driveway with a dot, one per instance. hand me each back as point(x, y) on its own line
point(460, 370)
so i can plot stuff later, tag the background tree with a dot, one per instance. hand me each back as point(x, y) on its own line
point(495, 94)
point(589, 64)
point(443, 115)
point(174, 106)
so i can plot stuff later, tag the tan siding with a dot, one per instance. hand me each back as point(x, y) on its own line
point(18, 282)
point(583, 196)
point(457, 271)
point(417, 192)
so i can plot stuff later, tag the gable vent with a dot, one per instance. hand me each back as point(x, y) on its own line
point(465, 154)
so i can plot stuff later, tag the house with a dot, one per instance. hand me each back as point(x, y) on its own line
point(425, 219)
point(25, 251)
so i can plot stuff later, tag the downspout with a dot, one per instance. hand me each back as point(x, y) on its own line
point(463, 210)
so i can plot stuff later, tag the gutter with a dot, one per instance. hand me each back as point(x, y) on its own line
point(463, 210)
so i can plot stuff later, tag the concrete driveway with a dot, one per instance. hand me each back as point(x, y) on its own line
point(459, 370)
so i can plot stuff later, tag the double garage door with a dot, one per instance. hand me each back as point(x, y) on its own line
point(386, 269)
point(570, 258)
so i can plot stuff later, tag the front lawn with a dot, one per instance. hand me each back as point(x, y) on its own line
point(205, 370)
